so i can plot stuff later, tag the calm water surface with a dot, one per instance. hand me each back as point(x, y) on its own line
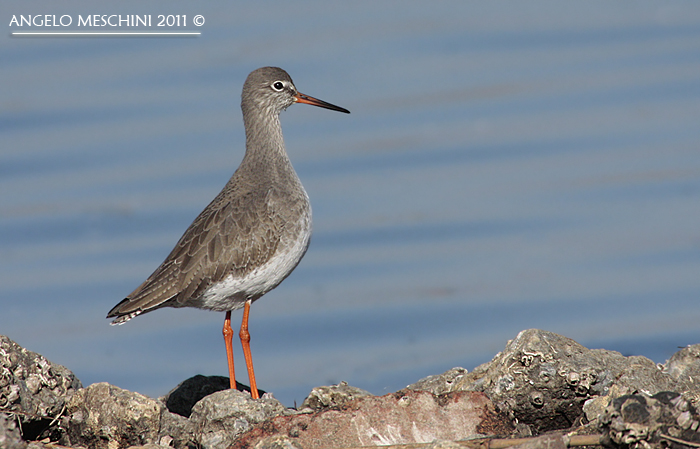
point(506, 166)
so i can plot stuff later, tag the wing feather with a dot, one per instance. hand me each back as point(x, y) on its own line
point(238, 231)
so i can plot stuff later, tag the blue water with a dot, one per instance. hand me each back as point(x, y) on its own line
point(506, 166)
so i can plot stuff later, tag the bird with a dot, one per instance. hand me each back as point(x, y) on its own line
point(253, 233)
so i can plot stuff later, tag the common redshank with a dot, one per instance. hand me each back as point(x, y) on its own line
point(251, 236)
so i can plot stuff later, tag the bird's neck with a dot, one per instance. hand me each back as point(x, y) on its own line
point(265, 149)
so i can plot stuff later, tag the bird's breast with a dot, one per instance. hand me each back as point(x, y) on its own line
point(235, 289)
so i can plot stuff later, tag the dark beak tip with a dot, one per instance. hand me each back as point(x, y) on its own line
point(306, 99)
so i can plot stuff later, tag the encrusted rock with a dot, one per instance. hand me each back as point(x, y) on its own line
point(684, 367)
point(543, 379)
point(663, 420)
point(440, 383)
point(332, 396)
point(105, 416)
point(218, 419)
point(33, 387)
point(10, 437)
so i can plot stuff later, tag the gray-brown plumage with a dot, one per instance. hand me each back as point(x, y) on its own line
point(256, 230)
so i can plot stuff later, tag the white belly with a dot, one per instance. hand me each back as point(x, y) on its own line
point(234, 291)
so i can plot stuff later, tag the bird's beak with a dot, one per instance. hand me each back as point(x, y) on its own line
point(301, 98)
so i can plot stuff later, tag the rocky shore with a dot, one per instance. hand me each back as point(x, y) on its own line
point(543, 389)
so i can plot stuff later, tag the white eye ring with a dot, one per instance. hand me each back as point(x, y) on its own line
point(278, 86)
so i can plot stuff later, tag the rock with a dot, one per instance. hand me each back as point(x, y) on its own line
point(539, 383)
point(333, 396)
point(277, 442)
point(440, 383)
point(663, 420)
point(148, 446)
point(182, 398)
point(543, 379)
point(34, 387)
point(549, 441)
point(439, 444)
point(684, 367)
point(218, 419)
point(105, 416)
point(404, 417)
point(10, 437)
point(596, 405)
point(174, 430)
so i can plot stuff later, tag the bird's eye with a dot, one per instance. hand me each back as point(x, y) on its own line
point(278, 86)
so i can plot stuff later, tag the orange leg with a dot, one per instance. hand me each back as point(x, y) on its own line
point(245, 341)
point(228, 340)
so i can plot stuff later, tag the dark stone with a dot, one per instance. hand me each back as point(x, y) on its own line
point(182, 398)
